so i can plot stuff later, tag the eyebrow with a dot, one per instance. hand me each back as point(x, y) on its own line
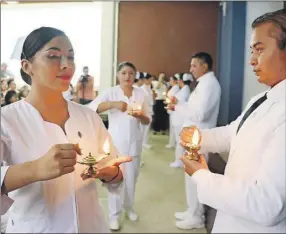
point(256, 44)
point(58, 49)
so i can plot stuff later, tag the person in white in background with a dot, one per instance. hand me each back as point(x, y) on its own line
point(251, 195)
point(139, 79)
point(181, 97)
point(39, 174)
point(127, 135)
point(146, 87)
point(171, 93)
point(160, 119)
point(202, 111)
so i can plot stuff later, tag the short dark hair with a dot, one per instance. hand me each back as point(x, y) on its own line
point(10, 81)
point(9, 95)
point(34, 42)
point(278, 19)
point(126, 64)
point(205, 58)
point(148, 76)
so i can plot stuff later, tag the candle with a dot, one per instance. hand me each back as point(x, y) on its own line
point(194, 145)
point(106, 151)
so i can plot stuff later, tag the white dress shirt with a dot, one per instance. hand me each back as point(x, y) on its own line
point(161, 91)
point(251, 195)
point(66, 204)
point(182, 98)
point(202, 107)
point(125, 130)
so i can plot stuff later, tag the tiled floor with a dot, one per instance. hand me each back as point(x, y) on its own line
point(160, 192)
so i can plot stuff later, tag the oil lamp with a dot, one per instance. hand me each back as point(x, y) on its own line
point(134, 108)
point(193, 146)
point(91, 161)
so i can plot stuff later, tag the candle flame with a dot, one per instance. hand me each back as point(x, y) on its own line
point(196, 137)
point(164, 93)
point(139, 107)
point(168, 100)
point(106, 147)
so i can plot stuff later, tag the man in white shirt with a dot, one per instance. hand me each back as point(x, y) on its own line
point(251, 195)
point(201, 110)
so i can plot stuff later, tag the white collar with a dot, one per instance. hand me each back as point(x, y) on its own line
point(278, 92)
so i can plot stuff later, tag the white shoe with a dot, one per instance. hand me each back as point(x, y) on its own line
point(169, 146)
point(183, 215)
point(114, 225)
point(194, 222)
point(131, 215)
point(147, 146)
point(175, 165)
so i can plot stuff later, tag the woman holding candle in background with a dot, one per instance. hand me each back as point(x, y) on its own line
point(171, 93)
point(146, 87)
point(38, 162)
point(127, 110)
point(178, 118)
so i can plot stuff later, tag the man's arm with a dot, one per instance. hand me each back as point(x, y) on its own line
point(260, 199)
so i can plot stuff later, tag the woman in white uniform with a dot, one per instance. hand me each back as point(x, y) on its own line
point(38, 163)
point(177, 119)
point(146, 87)
point(171, 93)
point(127, 135)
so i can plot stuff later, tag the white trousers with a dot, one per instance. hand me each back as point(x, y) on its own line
point(146, 129)
point(123, 196)
point(179, 151)
point(195, 208)
point(172, 138)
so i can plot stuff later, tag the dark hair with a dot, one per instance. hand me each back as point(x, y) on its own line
point(85, 67)
point(34, 42)
point(141, 76)
point(10, 81)
point(205, 58)
point(9, 95)
point(126, 64)
point(148, 76)
point(278, 18)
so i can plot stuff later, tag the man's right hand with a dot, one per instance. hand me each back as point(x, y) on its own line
point(59, 160)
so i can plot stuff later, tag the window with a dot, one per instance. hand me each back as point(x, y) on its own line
point(80, 21)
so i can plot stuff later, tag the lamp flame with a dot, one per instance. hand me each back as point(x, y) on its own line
point(106, 147)
point(196, 138)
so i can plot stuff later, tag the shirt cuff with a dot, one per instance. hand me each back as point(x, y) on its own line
point(200, 176)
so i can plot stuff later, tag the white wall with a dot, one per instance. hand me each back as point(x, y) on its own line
point(82, 23)
point(254, 9)
point(108, 52)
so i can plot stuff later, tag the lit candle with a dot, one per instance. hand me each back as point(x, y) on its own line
point(194, 145)
point(106, 151)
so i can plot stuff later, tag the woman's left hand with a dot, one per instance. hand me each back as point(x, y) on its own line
point(109, 171)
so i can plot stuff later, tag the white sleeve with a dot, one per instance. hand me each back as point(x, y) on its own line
point(6, 202)
point(104, 97)
point(260, 199)
point(201, 106)
point(218, 140)
point(145, 107)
